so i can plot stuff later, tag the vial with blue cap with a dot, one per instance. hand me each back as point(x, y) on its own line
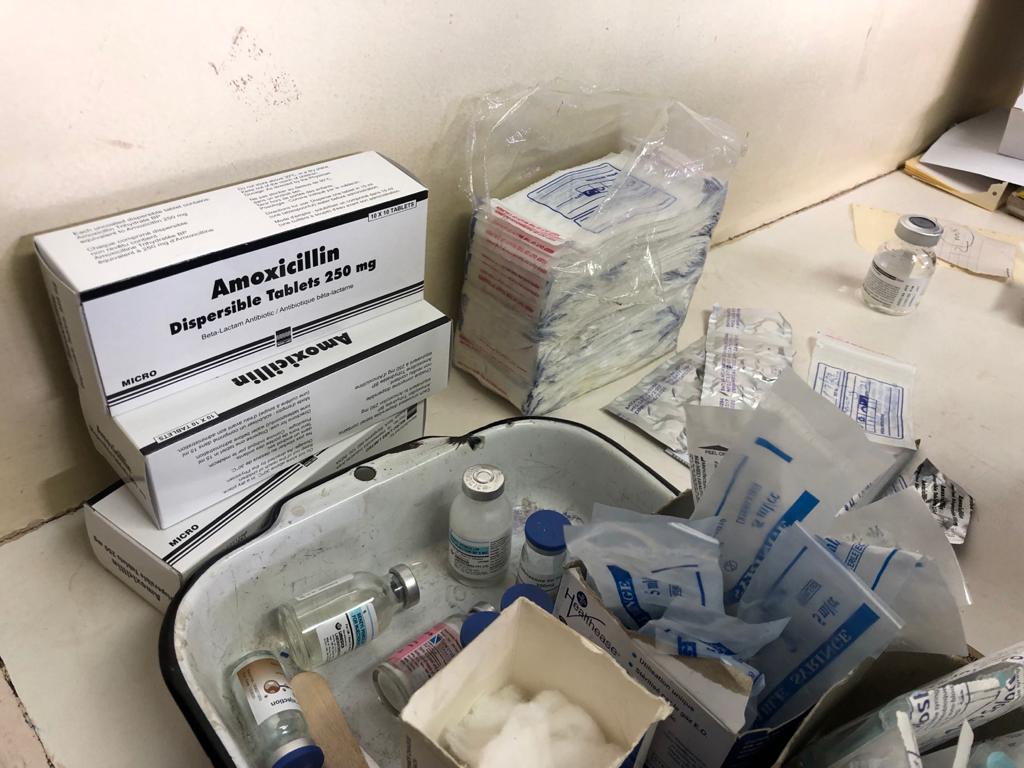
point(543, 555)
point(531, 592)
point(273, 720)
point(474, 625)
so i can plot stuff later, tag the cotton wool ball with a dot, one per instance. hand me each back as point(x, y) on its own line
point(574, 754)
point(523, 741)
point(567, 720)
point(467, 738)
point(549, 732)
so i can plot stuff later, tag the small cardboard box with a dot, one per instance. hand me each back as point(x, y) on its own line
point(159, 299)
point(205, 444)
point(156, 563)
point(1013, 136)
point(528, 647)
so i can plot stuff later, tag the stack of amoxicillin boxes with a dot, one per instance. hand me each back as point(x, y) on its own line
point(271, 328)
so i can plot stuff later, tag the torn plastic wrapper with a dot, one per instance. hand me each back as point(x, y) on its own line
point(798, 457)
point(914, 588)
point(688, 630)
point(655, 405)
point(640, 567)
point(900, 520)
point(746, 350)
point(835, 623)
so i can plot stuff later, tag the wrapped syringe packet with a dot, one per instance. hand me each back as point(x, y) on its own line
point(593, 213)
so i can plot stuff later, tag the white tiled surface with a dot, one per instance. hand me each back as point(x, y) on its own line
point(80, 647)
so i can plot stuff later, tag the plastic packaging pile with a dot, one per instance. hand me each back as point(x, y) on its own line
point(742, 354)
point(730, 369)
point(785, 582)
point(593, 214)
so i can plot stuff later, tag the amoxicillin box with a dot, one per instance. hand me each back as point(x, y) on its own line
point(159, 299)
point(155, 563)
point(204, 444)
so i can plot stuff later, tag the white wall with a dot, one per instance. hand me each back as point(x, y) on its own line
point(116, 104)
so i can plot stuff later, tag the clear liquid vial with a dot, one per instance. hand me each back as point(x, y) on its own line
point(540, 562)
point(273, 719)
point(480, 528)
point(335, 619)
point(903, 266)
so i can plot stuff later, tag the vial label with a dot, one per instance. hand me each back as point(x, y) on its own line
point(347, 631)
point(427, 655)
point(266, 689)
point(890, 291)
point(478, 559)
point(547, 578)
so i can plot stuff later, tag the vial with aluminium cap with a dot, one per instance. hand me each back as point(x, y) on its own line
point(407, 669)
point(480, 527)
point(273, 720)
point(543, 555)
point(903, 266)
point(338, 617)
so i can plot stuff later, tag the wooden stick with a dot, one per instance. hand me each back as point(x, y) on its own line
point(327, 724)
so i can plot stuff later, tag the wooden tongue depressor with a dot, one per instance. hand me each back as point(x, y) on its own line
point(327, 724)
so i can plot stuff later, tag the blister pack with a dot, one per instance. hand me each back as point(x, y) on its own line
point(655, 405)
point(746, 351)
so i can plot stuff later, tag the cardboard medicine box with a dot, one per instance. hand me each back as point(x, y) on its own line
point(159, 299)
point(156, 563)
point(203, 445)
point(528, 647)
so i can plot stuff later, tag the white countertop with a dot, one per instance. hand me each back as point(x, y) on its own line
point(80, 648)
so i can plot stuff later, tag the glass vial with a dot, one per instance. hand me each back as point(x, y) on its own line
point(480, 527)
point(903, 266)
point(339, 617)
point(543, 555)
point(273, 719)
point(406, 670)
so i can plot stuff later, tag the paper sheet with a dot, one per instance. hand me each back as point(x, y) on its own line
point(982, 251)
point(973, 146)
point(980, 190)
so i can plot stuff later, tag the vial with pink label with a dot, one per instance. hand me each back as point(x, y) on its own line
point(406, 670)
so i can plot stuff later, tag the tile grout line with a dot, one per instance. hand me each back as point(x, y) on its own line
point(35, 526)
point(833, 196)
point(24, 712)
